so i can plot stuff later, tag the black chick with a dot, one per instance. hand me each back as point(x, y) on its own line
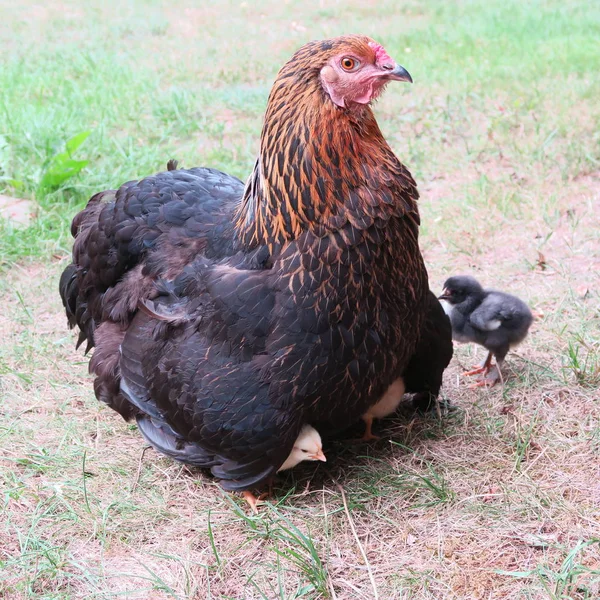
point(492, 319)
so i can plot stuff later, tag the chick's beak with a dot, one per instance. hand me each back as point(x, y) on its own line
point(445, 295)
point(397, 73)
point(319, 456)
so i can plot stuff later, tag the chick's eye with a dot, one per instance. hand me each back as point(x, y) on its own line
point(305, 451)
point(349, 64)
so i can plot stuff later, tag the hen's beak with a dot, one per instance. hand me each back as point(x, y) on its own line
point(398, 73)
point(445, 295)
point(318, 456)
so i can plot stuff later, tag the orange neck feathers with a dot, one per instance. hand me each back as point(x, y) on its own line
point(318, 163)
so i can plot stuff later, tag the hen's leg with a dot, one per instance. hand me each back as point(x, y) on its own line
point(484, 367)
point(253, 501)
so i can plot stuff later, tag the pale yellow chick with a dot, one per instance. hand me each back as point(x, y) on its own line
point(386, 406)
point(308, 446)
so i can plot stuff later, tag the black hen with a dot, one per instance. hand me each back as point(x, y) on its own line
point(225, 319)
point(492, 319)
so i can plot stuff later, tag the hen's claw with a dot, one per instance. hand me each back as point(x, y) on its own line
point(253, 501)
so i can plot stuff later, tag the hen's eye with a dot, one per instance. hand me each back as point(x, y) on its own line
point(349, 64)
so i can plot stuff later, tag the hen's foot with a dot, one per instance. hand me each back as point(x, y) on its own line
point(253, 501)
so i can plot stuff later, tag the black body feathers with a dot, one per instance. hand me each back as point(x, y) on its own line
point(225, 317)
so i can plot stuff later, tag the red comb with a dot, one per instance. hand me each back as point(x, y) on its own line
point(381, 56)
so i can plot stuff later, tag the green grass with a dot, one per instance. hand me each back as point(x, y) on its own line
point(497, 498)
point(150, 87)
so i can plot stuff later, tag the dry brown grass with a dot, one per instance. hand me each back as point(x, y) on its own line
point(498, 498)
point(508, 481)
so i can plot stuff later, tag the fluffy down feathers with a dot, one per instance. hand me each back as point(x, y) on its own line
point(495, 320)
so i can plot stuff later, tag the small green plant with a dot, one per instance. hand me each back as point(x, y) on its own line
point(300, 550)
point(429, 484)
point(582, 360)
point(571, 578)
point(63, 166)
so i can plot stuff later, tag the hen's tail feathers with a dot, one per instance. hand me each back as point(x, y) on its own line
point(68, 292)
point(166, 441)
point(76, 315)
point(172, 165)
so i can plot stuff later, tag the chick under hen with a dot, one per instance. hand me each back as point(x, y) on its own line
point(308, 446)
point(423, 374)
point(495, 320)
point(225, 318)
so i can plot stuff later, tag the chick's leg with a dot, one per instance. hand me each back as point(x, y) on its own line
point(484, 367)
point(269, 491)
point(253, 501)
point(368, 435)
point(491, 378)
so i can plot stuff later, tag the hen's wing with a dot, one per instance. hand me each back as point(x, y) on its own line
point(125, 238)
point(197, 369)
point(124, 241)
point(423, 375)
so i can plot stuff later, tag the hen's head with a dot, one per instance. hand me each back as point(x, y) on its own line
point(359, 71)
point(351, 69)
point(321, 145)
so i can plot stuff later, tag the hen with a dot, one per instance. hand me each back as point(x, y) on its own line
point(227, 318)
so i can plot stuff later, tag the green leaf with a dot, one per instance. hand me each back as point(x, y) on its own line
point(520, 574)
point(14, 183)
point(61, 169)
point(61, 166)
point(76, 141)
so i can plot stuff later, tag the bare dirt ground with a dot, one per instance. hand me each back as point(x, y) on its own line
point(443, 507)
point(16, 210)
